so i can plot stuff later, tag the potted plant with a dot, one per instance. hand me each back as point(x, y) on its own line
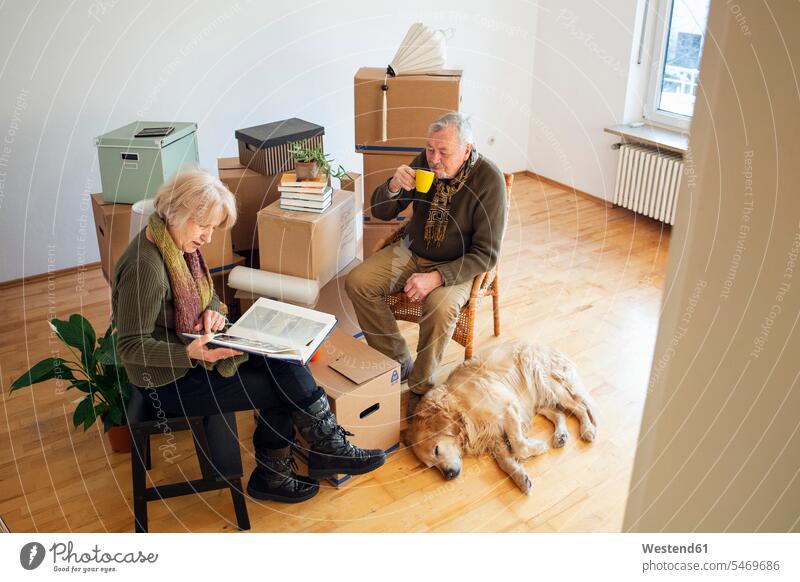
point(94, 370)
point(309, 162)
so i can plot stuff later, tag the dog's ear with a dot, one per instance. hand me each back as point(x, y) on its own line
point(463, 429)
point(454, 423)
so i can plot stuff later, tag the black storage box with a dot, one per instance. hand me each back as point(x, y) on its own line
point(265, 148)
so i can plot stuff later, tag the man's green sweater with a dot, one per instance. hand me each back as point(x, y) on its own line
point(475, 224)
point(142, 308)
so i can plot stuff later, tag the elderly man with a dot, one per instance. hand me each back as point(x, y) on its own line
point(454, 233)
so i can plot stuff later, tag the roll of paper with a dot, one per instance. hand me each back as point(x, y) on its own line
point(275, 286)
point(140, 215)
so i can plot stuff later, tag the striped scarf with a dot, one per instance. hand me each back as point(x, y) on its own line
point(439, 212)
point(192, 289)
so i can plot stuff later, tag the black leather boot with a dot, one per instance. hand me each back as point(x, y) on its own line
point(275, 479)
point(331, 453)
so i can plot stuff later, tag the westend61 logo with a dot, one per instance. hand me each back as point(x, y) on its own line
point(66, 559)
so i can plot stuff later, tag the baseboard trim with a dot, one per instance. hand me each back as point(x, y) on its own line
point(586, 195)
point(44, 276)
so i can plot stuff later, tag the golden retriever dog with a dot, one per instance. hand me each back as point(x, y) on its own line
point(488, 402)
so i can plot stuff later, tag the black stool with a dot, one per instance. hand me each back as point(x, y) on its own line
point(216, 442)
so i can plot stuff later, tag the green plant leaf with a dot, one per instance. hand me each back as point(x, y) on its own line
point(71, 331)
point(301, 152)
point(98, 411)
point(115, 414)
point(47, 369)
point(88, 331)
point(78, 333)
point(341, 173)
point(84, 413)
point(114, 386)
point(101, 408)
point(82, 385)
point(106, 352)
point(111, 382)
point(90, 420)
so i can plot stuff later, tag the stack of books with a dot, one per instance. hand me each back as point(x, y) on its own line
point(305, 195)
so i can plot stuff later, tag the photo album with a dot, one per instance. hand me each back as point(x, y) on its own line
point(276, 330)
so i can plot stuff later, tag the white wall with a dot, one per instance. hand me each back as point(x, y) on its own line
point(71, 72)
point(582, 68)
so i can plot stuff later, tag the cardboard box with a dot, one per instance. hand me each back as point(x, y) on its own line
point(413, 103)
point(351, 184)
point(225, 293)
point(333, 299)
point(356, 185)
point(378, 168)
point(112, 225)
point(218, 254)
point(308, 244)
point(363, 387)
point(374, 233)
point(253, 192)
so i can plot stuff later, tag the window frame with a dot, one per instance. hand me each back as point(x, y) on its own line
point(659, 52)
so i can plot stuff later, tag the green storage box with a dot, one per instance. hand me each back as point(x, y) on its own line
point(132, 168)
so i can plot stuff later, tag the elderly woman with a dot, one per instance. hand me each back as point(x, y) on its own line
point(162, 289)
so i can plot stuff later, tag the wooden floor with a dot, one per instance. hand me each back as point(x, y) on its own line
point(575, 274)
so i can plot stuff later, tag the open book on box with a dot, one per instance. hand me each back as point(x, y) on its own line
point(277, 330)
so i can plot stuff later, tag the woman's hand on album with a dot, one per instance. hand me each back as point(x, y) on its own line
point(210, 321)
point(197, 350)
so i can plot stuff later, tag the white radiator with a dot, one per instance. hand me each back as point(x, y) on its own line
point(648, 181)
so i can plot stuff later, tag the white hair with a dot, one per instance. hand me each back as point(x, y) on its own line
point(457, 120)
point(198, 195)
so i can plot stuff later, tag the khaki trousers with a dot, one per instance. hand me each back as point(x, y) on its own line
point(386, 272)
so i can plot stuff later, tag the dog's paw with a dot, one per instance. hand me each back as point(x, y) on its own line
point(523, 482)
point(535, 447)
point(589, 433)
point(560, 439)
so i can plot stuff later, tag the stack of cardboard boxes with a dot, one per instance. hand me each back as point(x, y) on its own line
point(300, 244)
point(362, 385)
point(392, 131)
point(253, 191)
point(309, 246)
point(134, 161)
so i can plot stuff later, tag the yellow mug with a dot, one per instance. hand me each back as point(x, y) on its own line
point(424, 179)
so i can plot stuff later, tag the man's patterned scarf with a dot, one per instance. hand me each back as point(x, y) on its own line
point(439, 213)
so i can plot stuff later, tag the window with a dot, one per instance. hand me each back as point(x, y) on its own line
point(678, 46)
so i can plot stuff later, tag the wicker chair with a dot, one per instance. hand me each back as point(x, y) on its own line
point(484, 285)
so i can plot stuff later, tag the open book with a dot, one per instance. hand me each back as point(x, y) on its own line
point(276, 330)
